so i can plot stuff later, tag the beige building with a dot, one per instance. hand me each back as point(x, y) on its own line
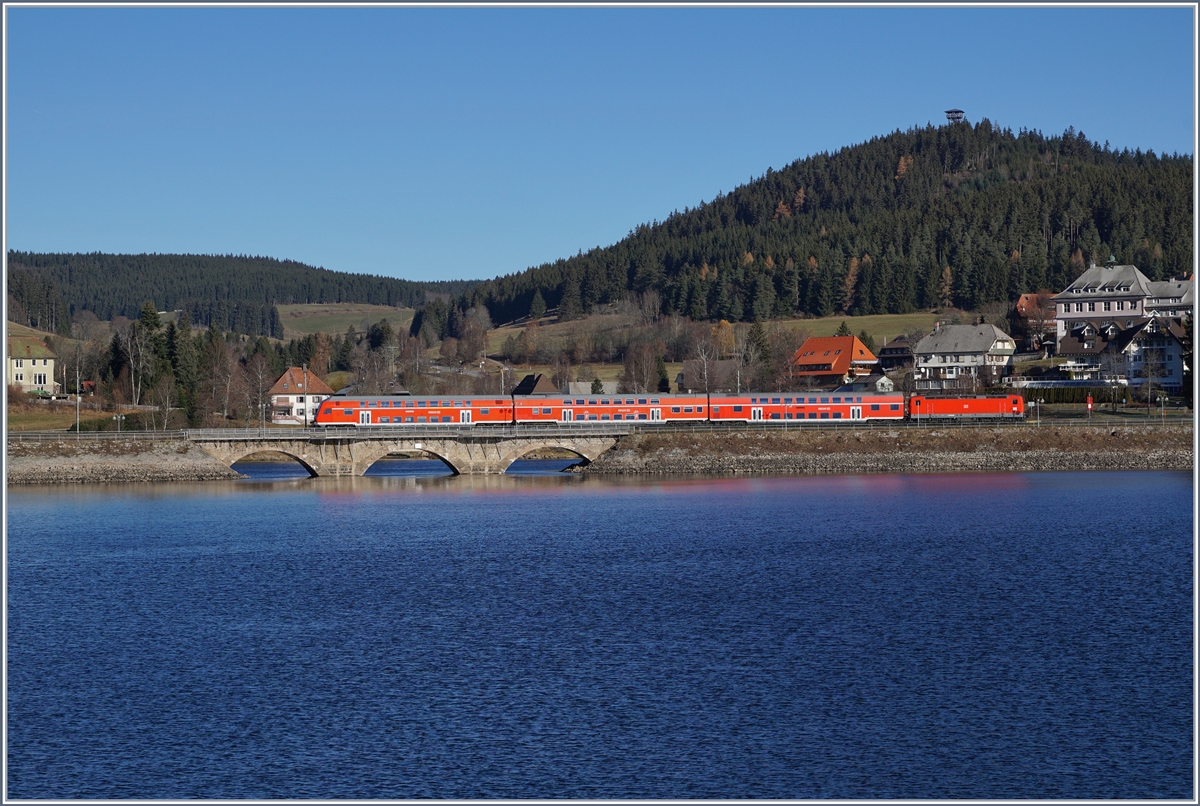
point(30, 365)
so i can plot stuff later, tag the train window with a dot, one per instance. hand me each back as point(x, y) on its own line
point(675, 409)
point(787, 400)
point(641, 401)
point(812, 400)
point(362, 403)
point(458, 402)
point(578, 416)
point(591, 402)
point(774, 400)
point(468, 403)
point(824, 415)
point(700, 409)
point(603, 416)
point(447, 419)
point(348, 412)
point(837, 415)
point(547, 411)
point(629, 401)
point(895, 407)
point(858, 400)
point(591, 416)
point(716, 409)
point(484, 412)
point(836, 400)
point(420, 419)
point(408, 419)
point(874, 407)
point(687, 409)
point(775, 415)
point(385, 419)
point(566, 402)
point(641, 416)
point(408, 404)
point(617, 416)
point(812, 415)
point(737, 408)
point(604, 403)
point(420, 404)
point(824, 400)
point(579, 402)
point(654, 401)
point(787, 416)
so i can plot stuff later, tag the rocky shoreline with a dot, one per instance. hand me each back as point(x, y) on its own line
point(71, 461)
point(900, 451)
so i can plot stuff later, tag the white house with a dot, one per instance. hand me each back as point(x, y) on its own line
point(1120, 293)
point(296, 396)
point(963, 357)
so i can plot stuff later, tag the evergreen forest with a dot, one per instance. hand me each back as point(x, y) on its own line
point(956, 215)
point(234, 293)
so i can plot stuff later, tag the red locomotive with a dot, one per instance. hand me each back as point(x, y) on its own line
point(404, 410)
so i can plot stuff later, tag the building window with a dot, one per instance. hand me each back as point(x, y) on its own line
point(20, 376)
point(1133, 304)
point(1108, 306)
point(1078, 307)
point(1091, 306)
point(1120, 305)
point(39, 379)
point(19, 362)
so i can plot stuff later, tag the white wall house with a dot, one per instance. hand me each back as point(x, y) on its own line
point(1122, 294)
point(296, 396)
point(963, 357)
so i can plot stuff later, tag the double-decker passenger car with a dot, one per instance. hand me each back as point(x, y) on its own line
point(375, 410)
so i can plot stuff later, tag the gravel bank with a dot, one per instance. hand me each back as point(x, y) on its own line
point(901, 451)
point(87, 462)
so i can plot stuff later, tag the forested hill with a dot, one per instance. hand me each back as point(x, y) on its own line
point(962, 214)
point(237, 292)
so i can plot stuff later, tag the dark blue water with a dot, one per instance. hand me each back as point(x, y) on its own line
point(997, 635)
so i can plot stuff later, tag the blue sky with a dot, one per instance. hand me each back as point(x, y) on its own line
point(443, 143)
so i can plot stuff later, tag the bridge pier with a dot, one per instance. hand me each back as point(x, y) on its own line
point(352, 454)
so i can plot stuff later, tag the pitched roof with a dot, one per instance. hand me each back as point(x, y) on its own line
point(1102, 334)
point(1173, 289)
point(832, 355)
point(292, 383)
point(966, 339)
point(1100, 279)
point(537, 384)
point(1028, 303)
point(28, 347)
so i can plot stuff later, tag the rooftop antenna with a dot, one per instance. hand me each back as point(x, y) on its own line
point(954, 115)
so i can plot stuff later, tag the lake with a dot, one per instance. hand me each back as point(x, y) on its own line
point(410, 634)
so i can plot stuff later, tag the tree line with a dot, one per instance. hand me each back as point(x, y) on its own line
point(958, 215)
point(235, 292)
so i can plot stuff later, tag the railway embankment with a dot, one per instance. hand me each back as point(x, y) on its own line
point(79, 461)
point(901, 450)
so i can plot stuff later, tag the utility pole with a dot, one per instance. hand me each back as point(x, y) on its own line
point(306, 395)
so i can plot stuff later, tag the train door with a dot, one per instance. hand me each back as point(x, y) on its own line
point(567, 415)
point(464, 416)
point(856, 412)
point(655, 414)
point(756, 414)
point(364, 418)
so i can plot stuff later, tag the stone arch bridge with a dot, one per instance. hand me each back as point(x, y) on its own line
point(467, 450)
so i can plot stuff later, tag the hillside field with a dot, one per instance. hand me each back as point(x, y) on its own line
point(302, 320)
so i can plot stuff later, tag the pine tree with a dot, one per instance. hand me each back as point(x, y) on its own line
point(537, 308)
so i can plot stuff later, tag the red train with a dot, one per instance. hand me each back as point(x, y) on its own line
point(393, 410)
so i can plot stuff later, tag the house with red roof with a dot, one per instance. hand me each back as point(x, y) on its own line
point(833, 360)
point(296, 396)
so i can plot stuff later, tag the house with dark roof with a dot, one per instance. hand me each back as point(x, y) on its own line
point(1120, 291)
point(1126, 351)
point(962, 357)
point(896, 354)
point(833, 360)
point(296, 396)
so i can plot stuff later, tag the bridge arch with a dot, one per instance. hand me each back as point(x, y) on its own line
point(233, 457)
